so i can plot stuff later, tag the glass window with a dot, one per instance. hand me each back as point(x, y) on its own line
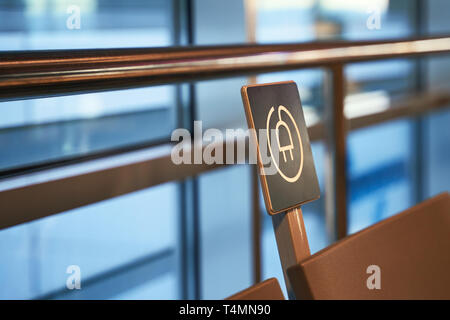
point(126, 247)
point(225, 207)
point(125, 244)
point(71, 24)
point(59, 128)
point(380, 180)
point(68, 127)
point(436, 153)
point(300, 20)
point(435, 130)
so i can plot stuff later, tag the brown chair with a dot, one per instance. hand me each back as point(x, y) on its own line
point(266, 290)
point(412, 250)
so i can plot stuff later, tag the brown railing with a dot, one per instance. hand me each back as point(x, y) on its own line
point(50, 73)
point(44, 73)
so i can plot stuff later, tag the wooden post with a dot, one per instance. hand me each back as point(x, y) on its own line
point(292, 241)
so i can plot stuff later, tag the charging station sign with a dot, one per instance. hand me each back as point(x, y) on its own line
point(289, 178)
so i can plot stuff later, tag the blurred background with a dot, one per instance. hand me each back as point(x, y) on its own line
point(134, 246)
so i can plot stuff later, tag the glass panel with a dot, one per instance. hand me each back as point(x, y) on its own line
point(70, 24)
point(300, 20)
point(379, 172)
point(226, 252)
point(212, 22)
point(436, 131)
point(371, 86)
point(437, 153)
point(64, 127)
point(225, 195)
point(436, 17)
point(225, 199)
point(123, 245)
point(51, 129)
point(391, 76)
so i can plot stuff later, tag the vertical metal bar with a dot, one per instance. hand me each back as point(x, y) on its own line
point(178, 29)
point(418, 123)
point(197, 240)
point(336, 175)
point(187, 241)
point(196, 250)
point(256, 227)
point(250, 7)
point(189, 220)
point(250, 20)
point(292, 241)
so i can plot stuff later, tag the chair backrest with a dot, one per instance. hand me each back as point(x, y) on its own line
point(411, 249)
point(266, 290)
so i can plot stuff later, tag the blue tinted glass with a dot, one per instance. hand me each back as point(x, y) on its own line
point(294, 21)
point(437, 153)
point(64, 24)
point(224, 198)
point(63, 127)
point(225, 206)
point(379, 160)
point(225, 195)
point(120, 245)
point(436, 131)
point(51, 129)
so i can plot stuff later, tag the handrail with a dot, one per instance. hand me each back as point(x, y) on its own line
point(54, 190)
point(35, 74)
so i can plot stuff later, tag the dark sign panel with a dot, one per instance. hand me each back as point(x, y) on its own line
point(288, 175)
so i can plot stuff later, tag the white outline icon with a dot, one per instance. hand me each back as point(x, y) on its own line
point(288, 147)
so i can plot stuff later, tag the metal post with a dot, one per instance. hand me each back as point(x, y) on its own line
point(419, 123)
point(336, 175)
point(250, 19)
point(292, 241)
point(256, 227)
point(189, 227)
